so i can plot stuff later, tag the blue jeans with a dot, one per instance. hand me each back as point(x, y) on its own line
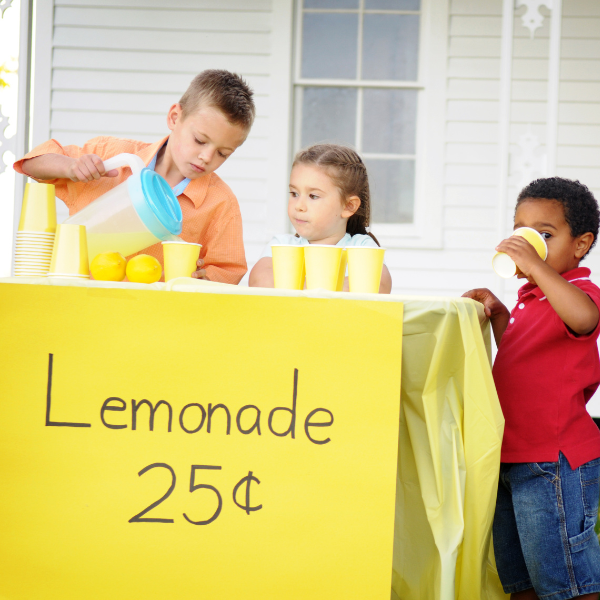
point(544, 528)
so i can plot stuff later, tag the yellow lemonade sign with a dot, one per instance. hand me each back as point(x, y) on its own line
point(162, 445)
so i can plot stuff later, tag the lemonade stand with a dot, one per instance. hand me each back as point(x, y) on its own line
point(190, 439)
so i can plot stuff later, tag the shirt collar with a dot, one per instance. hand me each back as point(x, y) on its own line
point(347, 237)
point(196, 189)
point(149, 152)
point(530, 288)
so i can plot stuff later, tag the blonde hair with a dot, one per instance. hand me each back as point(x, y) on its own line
point(349, 174)
point(225, 91)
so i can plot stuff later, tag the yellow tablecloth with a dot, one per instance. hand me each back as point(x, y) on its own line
point(450, 436)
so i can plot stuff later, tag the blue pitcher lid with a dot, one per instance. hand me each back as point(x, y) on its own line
point(161, 202)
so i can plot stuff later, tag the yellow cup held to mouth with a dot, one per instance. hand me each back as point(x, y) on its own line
point(288, 266)
point(505, 266)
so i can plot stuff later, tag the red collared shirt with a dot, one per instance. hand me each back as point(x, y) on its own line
point(544, 375)
point(211, 213)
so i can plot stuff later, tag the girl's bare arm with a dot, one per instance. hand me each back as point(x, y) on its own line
point(262, 273)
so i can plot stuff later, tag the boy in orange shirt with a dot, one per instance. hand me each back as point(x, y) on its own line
point(211, 120)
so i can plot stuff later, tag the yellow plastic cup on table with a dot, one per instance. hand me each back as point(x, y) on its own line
point(180, 259)
point(505, 266)
point(342, 272)
point(70, 253)
point(288, 266)
point(38, 212)
point(322, 266)
point(364, 269)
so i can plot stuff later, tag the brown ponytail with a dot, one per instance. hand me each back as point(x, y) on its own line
point(349, 174)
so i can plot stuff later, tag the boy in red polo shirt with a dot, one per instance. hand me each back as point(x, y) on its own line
point(210, 121)
point(546, 369)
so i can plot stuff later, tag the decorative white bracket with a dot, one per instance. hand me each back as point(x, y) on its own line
point(4, 4)
point(532, 18)
point(527, 163)
point(6, 144)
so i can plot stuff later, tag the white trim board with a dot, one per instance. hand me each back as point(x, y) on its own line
point(280, 117)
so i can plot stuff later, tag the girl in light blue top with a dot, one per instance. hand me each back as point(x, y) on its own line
point(329, 203)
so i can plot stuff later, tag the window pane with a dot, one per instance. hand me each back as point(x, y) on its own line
point(331, 3)
point(328, 114)
point(390, 47)
point(392, 186)
point(391, 4)
point(329, 45)
point(389, 121)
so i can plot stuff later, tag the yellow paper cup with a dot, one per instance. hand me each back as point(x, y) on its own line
point(30, 255)
point(35, 249)
point(35, 245)
point(342, 272)
point(505, 266)
point(180, 259)
point(322, 266)
point(70, 254)
point(364, 269)
point(288, 266)
point(34, 235)
point(38, 212)
point(22, 260)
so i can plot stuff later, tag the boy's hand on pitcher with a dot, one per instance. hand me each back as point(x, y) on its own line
point(87, 168)
point(522, 252)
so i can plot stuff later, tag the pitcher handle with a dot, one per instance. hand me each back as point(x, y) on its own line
point(135, 163)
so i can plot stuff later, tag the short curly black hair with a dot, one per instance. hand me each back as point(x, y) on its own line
point(579, 204)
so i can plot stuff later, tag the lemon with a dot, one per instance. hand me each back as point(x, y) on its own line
point(108, 266)
point(143, 269)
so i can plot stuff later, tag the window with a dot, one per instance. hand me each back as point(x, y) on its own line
point(359, 81)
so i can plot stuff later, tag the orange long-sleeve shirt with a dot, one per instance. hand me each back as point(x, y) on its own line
point(211, 213)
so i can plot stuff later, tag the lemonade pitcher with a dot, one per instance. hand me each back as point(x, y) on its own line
point(139, 212)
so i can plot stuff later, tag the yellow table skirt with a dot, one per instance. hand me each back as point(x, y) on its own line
point(451, 430)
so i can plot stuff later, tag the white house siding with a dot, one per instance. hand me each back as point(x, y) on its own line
point(471, 159)
point(471, 192)
point(578, 153)
point(579, 107)
point(117, 67)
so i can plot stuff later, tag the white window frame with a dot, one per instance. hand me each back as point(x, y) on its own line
point(426, 229)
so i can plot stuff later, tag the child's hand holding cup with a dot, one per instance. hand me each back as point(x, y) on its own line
point(505, 266)
point(180, 258)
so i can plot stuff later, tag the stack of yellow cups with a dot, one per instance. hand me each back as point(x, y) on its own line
point(37, 227)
